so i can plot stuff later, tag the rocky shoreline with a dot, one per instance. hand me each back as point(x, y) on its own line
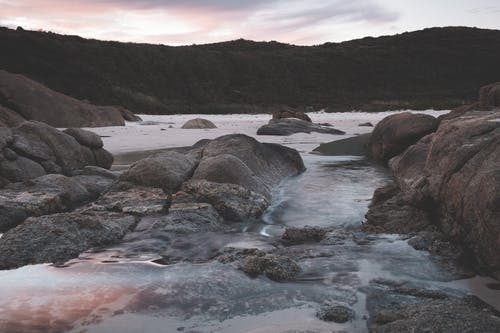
point(444, 200)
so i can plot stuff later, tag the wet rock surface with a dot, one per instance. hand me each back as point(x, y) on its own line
point(336, 313)
point(275, 267)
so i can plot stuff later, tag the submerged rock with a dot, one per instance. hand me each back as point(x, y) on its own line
point(276, 268)
point(289, 126)
point(336, 313)
point(305, 234)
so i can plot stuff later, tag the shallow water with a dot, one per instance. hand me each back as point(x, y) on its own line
point(121, 289)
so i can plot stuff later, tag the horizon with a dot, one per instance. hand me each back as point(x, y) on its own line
point(295, 22)
point(238, 39)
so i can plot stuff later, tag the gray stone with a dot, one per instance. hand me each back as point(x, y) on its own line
point(289, 126)
point(167, 170)
point(198, 123)
point(355, 146)
point(85, 138)
point(60, 237)
point(276, 268)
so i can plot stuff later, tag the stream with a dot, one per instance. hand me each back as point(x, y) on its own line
point(124, 288)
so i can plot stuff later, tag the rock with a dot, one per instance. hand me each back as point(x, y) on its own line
point(135, 200)
point(40, 142)
point(95, 185)
point(9, 118)
point(167, 170)
point(489, 96)
point(86, 138)
point(198, 123)
point(233, 202)
point(446, 316)
point(183, 218)
point(60, 237)
point(34, 101)
point(336, 313)
point(452, 178)
point(9, 154)
point(270, 162)
point(355, 146)
point(40, 196)
point(395, 133)
point(305, 234)
point(20, 169)
point(289, 126)
point(290, 113)
point(276, 268)
point(237, 173)
point(6, 137)
point(90, 170)
point(103, 158)
point(226, 168)
point(127, 114)
point(367, 124)
point(390, 212)
point(463, 178)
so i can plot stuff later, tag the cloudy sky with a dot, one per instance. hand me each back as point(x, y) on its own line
point(179, 22)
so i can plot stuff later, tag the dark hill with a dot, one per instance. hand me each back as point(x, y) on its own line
point(438, 67)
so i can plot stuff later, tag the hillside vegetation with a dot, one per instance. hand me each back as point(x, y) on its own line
point(438, 67)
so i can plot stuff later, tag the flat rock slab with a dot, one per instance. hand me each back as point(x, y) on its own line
point(60, 237)
point(355, 146)
point(289, 126)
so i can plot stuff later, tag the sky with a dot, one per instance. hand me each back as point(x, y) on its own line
point(185, 22)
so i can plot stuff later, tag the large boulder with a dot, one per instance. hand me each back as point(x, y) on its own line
point(44, 195)
point(395, 133)
point(60, 237)
point(167, 170)
point(34, 149)
point(269, 162)
point(289, 126)
point(450, 179)
point(226, 168)
point(53, 149)
point(85, 138)
point(34, 101)
point(462, 169)
point(198, 123)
